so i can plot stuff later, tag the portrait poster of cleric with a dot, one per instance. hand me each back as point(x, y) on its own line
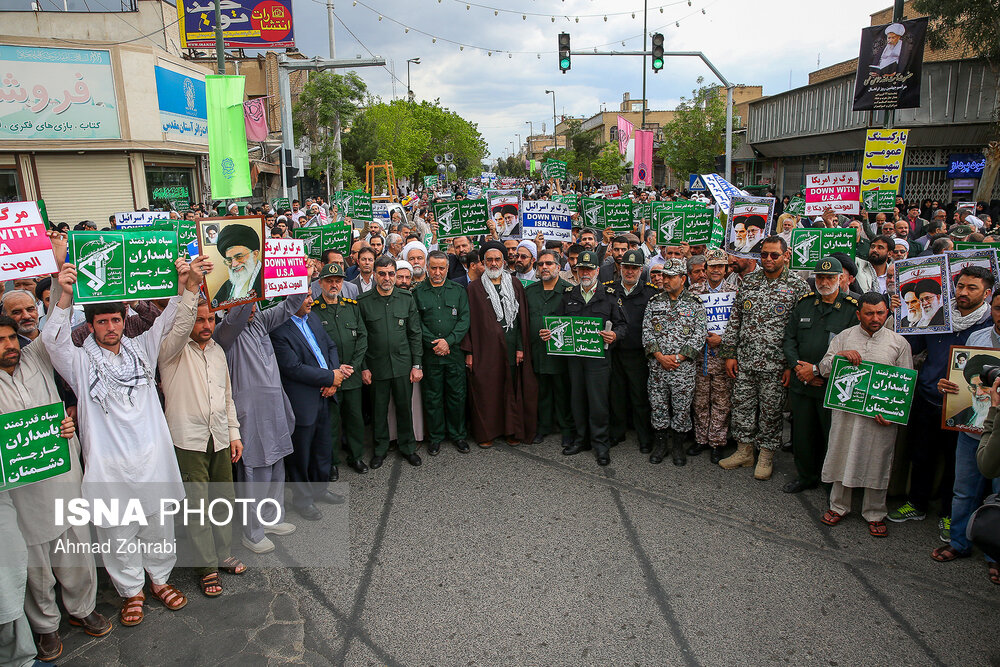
point(235, 248)
point(924, 296)
point(889, 66)
point(749, 223)
point(966, 410)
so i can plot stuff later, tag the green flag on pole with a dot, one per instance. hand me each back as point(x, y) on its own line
point(227, 137)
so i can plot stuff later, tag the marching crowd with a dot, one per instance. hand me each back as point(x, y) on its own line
point(444, 342)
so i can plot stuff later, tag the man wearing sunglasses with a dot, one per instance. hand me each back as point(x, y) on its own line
point(752, 348)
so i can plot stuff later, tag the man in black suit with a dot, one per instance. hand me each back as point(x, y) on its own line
point(310, 374)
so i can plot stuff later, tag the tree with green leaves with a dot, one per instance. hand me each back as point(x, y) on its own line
point(697, 134)
point(326, 101)
point(609, 166)
point(974, 24)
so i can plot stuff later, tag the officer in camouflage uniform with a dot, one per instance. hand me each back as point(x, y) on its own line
point(444, 317)
point(545, 298)
point(673, 332)
point(629, 367)
point(712, 387)
point(751, 346)
point(815, 320)
point(341, 319)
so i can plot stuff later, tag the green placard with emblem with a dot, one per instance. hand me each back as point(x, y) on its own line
point(124, 265)
point(977, 245)
point(574, 336)
point(641, 210)
point(466, 217)
point(809, 245)
point(614, 214)
point(682, 222)
point(334, 236)
point(570, 200)
point(354, 204)
point(796, 205)
point(878, 201)
point(281, 204)
point(554, 168)
point(871, 389)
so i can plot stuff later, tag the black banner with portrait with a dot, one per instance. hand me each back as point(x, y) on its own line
point(889, 66)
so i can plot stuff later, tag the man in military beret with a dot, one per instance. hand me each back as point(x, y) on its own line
point(673, 332)
point(590, 376)
point(815, 320)
point(239, 246)
point(444, 320)
point(341, 318)
point(713, 388)
point(629, 368)
point(751, 346)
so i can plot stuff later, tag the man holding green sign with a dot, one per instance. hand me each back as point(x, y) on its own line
point(869, 394)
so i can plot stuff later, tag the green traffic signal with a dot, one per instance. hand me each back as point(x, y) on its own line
point(657, 63)
point(564, 63)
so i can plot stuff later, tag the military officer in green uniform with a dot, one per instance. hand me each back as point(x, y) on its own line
point(341, 319)
point(545, 298)
point(393, 359)
point(815, 320)
point(444, 319)
point(629, 366)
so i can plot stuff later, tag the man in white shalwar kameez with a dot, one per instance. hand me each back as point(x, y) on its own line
point(860, 449)
point(127, 448)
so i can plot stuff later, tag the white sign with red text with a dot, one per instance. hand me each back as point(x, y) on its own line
point(285, 270)
point(25, 248)
point(839, 191)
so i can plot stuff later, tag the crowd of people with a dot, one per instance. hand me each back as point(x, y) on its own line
point(428, 342)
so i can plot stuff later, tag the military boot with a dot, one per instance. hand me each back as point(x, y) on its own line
point(677, 444)
point(659, 446)
point(765, 464)
point(741, 458)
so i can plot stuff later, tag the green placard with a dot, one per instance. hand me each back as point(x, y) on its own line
point(334, 236)
point(878, 201)
point(615, 214)
point(187, 231)
point(809, 245)
point(430, 181)
point(642, 210)
point(575, 336)
point(171, 192)
point(977, 245)
point(871, 389)
point(180, 205)
point(354, 204)
point(463, 217)
point(554, 168)
point(796, 205)
point(281, 204)
point(570, 201)
point(682, 221)
point(124, 265)
point(32, 448)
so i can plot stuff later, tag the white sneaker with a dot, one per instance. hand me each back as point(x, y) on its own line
point(262, 547)
point(283, 528)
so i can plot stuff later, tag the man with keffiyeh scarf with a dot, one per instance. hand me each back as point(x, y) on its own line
point(502, 385)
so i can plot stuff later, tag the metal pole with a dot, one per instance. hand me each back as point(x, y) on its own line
point(331, 22)
point(897, 15)
point(729, 133)
point(287, 141)
point(220, 47)
point(555, 136)
point(645, 4)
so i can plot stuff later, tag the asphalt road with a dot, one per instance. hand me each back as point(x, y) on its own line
point(524, 556)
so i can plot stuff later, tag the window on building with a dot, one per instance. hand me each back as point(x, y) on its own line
point(8, 185)
point(170, 187)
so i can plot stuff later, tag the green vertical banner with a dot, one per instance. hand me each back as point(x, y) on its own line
point(227, 137)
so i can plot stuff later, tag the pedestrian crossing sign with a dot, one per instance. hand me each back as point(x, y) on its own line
point(696, 183)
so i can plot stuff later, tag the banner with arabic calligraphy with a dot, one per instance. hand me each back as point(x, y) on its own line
point(285, 271)
point(461, 218)
point(25, 248)
point(353, 204)
point(682, 221)
point(250, 24)
point(32, 449)
point(57, 94)
point(334, 236)
point(882, 168)
point(554, 168)
point(551, 219)
point(130, 219)
point(811, 244)
point(839, 191)
point(574, 336)
point(183, 107)
point(889, 66)
point(718, 307)
point(615, 214)
point(870, 389)
point(123, 265)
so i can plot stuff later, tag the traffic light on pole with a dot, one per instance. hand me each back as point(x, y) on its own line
point(564, 62)
point(657, 52)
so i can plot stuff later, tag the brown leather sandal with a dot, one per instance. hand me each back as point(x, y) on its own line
point(233, 565)
point(132, 609)
point(948, 553)
point(831, 518)
point(211, 580)
point(171, 598)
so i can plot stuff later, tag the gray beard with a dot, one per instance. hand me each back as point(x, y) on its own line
point(494, 274)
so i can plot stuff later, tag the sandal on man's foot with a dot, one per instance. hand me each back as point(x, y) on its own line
point(171, 598)
point(994, 572)
point(948, 553)
point(831, 518)
point(878, 529)
point(210, 581)
point(131, 613)
point(233, 565)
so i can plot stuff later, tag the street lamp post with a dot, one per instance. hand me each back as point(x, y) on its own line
point(555, 138)
point(518, 135)
point(531, 131)
point(409, 91)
